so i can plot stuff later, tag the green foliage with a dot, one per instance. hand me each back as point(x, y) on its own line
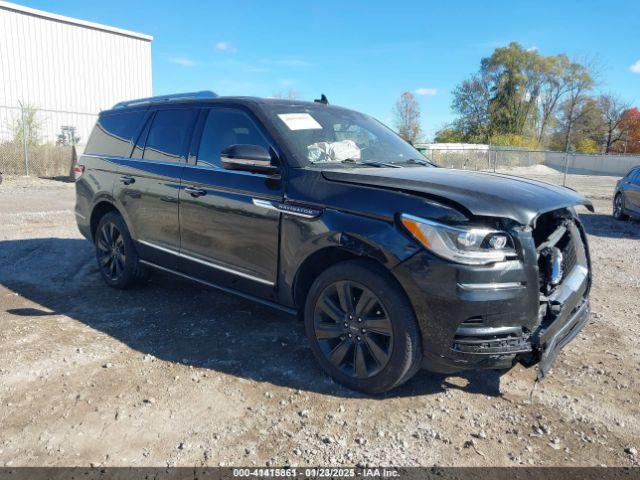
point(515, 76)
point(513, 140)
point(587, 145)
point(579, 120)
point(449, 135)
point(28, 122)
point(471, 100)
point(516, 94)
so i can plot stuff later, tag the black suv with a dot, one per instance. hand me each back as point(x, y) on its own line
point(317, 210)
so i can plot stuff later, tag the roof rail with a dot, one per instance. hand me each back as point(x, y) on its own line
point(202, 95)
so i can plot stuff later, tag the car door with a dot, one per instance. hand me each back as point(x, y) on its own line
point(229, 233)
point(632, 192)
point(147, 189)
point(109, 147)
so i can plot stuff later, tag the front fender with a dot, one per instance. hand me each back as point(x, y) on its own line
point(369, 237)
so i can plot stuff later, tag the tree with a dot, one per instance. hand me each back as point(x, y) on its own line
point(407, 117)
point(579, 120)
point(579, 82)
point(513, 140)
point(28, 124)
point(612, 109)
point(630, 128)
point(471, 100)
point(515, 77)
point(587, 145)
point(554, 85)
point(449, 135)
point(517, 93)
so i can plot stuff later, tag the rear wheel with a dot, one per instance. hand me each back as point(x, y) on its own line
point(618, 208)
point(362, 328)
point(116, 254)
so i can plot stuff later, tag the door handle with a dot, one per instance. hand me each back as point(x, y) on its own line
point(127, 180)
point(195, 192)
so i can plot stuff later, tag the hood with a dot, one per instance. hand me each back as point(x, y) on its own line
point(480, 193)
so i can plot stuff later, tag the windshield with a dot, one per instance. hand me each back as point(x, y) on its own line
point(326, 135)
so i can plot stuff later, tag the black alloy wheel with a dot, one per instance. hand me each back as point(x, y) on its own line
point(361, 326)
point(111, 251)
point(116, 253)
point(353, 329)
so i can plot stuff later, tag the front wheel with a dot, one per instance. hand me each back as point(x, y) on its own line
point(116, 254)
point(362, 328)
point(618, 208)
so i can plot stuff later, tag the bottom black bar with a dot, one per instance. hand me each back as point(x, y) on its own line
point(220, 473)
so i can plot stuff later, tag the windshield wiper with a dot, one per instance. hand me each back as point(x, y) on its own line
point(370, 162)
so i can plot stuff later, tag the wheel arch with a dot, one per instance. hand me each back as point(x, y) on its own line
point(309, 249)
point(324, 258)
point(99, 210)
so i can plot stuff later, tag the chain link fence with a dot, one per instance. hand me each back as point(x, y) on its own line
point(553, 167)
point(39, 142)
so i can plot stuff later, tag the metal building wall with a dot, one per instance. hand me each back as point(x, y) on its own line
point(68, 69)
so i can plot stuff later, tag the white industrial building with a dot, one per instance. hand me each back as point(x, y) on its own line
point(67, 69)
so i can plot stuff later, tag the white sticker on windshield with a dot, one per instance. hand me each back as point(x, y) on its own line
point(299, 121)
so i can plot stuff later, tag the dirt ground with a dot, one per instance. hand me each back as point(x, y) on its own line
point(177, 374)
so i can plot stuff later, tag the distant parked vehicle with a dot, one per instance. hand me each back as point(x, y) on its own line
point(626, 200)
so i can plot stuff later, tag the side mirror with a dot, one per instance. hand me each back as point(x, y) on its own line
point(249, 158)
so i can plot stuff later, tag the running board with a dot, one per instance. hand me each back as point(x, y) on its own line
point(267, 303)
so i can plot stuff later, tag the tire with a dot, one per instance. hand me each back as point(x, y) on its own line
point(116, 254)
point(618, 208)
point(375, 349)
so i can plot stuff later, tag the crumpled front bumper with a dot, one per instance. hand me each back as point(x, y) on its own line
point(490, 317)
point(567, 330)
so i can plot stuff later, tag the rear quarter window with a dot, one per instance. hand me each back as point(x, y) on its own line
point(114, 134)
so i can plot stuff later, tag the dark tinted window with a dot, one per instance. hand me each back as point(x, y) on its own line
point(168, 135)
point(319, 134)
point(138, 149)
point(114, 134)
point(223, 128)
point(634, 176)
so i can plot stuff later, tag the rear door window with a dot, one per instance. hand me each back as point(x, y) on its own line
point(138, 149)
point(225, 127)
point(168, 136)
point(115, 133)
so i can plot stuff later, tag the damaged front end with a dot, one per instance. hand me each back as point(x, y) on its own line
point(563, 283)
point(564, 280)
point(523, 309)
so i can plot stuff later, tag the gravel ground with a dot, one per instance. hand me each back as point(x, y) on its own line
point(175, 374)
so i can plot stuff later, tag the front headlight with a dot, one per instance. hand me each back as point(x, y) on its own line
point(468, 245)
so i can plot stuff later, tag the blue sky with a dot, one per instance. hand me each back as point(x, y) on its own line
point(364, 54)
